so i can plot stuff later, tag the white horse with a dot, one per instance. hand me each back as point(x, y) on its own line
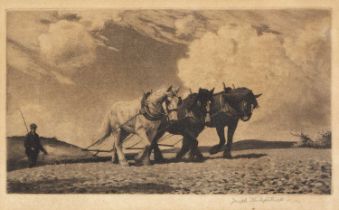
point(141, 118)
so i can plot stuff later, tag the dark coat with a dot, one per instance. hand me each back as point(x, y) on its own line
point(32, 143)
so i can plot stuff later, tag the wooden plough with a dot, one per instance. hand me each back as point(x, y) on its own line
point(133, 146)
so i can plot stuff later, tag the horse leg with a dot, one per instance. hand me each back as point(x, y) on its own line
point(230, 133)
point(184, 148)
point(195, 154)
point(122, 134)
point(144, 157)
point(217, 148)
point(158, 157)
point(155, 147)
point(115, 158)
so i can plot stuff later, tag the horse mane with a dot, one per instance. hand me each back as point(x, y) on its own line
point(154, 96)
point(238, 94)
point(234, 95)
point(189, 101)
point(218, 93)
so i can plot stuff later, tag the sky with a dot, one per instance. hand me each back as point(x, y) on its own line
point(65, 69)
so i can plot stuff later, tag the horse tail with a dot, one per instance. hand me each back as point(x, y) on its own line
point(106, 129)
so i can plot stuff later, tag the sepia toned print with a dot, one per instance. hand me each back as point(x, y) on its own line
point(169, 101)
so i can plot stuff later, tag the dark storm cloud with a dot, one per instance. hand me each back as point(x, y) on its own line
point(117, 55)
point(75, 112)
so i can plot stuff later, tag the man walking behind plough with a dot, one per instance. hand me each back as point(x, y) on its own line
point(33, 145)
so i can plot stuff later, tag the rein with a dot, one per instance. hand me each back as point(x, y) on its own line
point(146, 112)
point(196, 110)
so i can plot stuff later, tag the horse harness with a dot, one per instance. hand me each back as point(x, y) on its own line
point(146, 112)
point(224, 107)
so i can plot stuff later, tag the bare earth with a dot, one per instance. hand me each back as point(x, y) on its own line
point(292, 170)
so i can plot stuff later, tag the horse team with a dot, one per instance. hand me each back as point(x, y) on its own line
point(164, 111)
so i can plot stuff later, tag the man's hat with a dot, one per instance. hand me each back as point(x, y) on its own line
point(33, 126)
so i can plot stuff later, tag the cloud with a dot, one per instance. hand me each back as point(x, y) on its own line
point(23, 50)
point(33, 113)
point(286, 69)
point(62, 79)
point(49, 124)
point(306, 49)
point(68, 46)
point(28, 61)
point(95, 21)
point(231, 55)
point(92, 20)
point(21, 61)
point(185, 26)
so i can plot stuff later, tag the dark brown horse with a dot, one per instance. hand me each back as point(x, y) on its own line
point(227, 108)
point(192, 115)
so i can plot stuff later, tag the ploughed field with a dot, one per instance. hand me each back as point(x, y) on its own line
point(251, 171)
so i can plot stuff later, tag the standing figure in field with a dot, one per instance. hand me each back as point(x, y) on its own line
point(192, 115)
point(227, 108)
point(141, 118)
point(33, 145)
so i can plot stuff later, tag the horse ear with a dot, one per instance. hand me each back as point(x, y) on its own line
point(223, 83)
point(212, 90)
point(177, 90)
point(169, 88)
point(200, 90)
point(258, 95)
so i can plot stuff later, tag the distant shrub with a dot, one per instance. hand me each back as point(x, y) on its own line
point(323, 141)
point(305, 141)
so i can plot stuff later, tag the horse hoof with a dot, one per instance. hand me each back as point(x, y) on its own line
point(200, 158)
point(160, 160)
point(227, 156)
point(143, 163)
point(124, 163)
point(215, 149)
point(147, 164)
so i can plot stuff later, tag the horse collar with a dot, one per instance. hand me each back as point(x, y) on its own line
point(146, 112)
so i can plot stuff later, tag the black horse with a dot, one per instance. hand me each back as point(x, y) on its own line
point(192, 115)
point(227, 108)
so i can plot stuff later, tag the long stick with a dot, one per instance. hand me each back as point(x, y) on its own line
point(132, 147)
point(177, 142)
point(165, 137)
point(22, 115)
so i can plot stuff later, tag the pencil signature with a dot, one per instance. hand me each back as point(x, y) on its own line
point(259, 199)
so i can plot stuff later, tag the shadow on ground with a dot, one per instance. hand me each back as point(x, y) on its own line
point(255, 144)
point(249, 156)
point(73, 186)
point(251, 144)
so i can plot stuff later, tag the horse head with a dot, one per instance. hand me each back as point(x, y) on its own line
point(204, 96)
point(244, 101)
point(163, 102)
point(172, 101)
point(226, 89)
point(204, 99)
